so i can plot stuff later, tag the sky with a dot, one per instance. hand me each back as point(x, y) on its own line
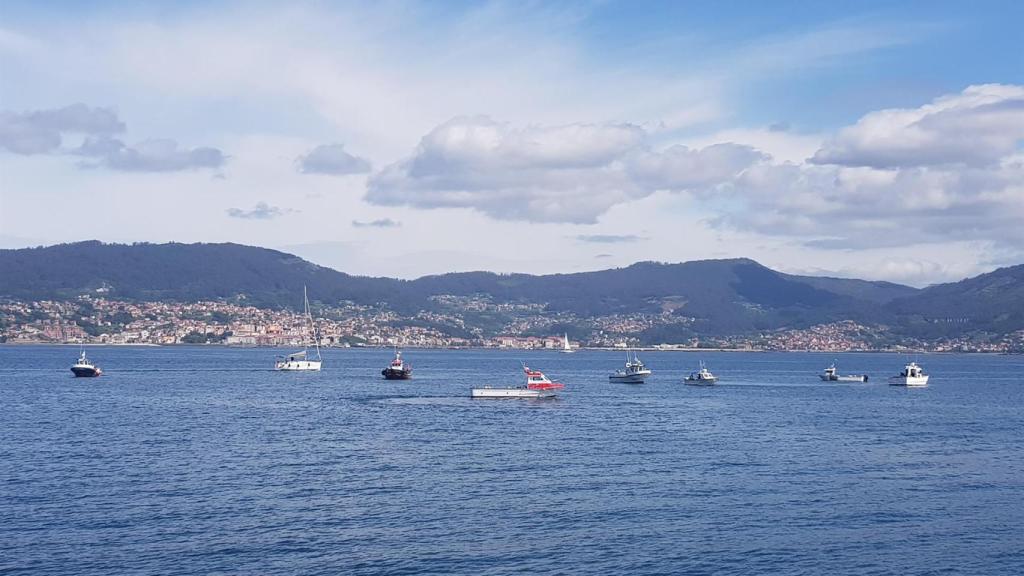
point(876, 140)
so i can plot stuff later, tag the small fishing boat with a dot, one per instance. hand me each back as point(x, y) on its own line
point(537, 386)
point(633, 373)
point(398, 369)
point(911, 375)
point(831, 374)
point(85, 369)
point(702, 377)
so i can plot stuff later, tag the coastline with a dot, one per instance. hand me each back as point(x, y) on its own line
point(553, 351)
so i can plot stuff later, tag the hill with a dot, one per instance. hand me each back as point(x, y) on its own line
point(992, 302)
point(179, 272)
point(710, 297)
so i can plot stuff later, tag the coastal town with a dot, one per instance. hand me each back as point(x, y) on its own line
point(96, 320)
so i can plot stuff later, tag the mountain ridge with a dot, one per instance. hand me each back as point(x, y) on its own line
point(726, 296)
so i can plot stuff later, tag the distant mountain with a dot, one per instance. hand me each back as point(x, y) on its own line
point(722, 296)
point(725, 296)
point(992, 302)
point(179, 272)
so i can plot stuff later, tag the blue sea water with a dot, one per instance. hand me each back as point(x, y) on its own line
point(200, 460)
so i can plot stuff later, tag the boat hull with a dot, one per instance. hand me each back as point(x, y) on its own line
point(909, 381)
point(298, 366)
point(849, 378)
point(390, 374)
point(86, 371)
point(700, 381)
point(628, 378)
point(501, 393)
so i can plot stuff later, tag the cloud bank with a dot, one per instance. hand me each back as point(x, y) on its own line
point(43, 132)
point(951, 170)
point(570, 173)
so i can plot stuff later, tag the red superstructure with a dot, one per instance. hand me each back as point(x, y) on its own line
point(536, 380)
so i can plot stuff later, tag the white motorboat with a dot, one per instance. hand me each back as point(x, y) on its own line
point(634, 371)
point(537, 386)
point(301, 361)
point(702, 377)
point(911, 375)
point(831, 374)
point(566, 348)
point(85, 369)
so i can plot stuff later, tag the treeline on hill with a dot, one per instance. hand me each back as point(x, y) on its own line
point(723, 296)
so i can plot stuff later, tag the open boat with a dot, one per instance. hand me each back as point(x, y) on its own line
point(831, 374)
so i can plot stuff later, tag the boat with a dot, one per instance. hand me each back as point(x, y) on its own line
point(85, 369)
point(831, 374)
point(911, 375)
point(633, 373)
point(537, 386)
point(301, 361)
point(702, 377)
point(398, 369)
point(566, 348)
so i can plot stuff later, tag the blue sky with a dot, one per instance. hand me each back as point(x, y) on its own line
point(865, 139)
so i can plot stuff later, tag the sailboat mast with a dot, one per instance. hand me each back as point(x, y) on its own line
point(309, 320)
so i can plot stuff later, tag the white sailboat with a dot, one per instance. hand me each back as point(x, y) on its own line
point(301, 360)
point(566, 348)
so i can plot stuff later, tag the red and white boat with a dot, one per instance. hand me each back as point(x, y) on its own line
point(537, 386)
point(398, 369)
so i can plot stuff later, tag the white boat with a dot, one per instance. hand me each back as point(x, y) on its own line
point(85, 369)
point(633, 373)
point(912, 375)
point(566, 348)
point(702, 377)
point(301, 361)
point(832, 375)
point(537, 386)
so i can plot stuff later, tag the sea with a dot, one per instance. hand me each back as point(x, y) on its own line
point(202, 460)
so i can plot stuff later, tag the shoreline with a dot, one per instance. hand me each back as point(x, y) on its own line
point(494, 349)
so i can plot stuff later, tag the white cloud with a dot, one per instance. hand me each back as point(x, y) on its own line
point(567, 173)
point(331, 159)
point(977, 127)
